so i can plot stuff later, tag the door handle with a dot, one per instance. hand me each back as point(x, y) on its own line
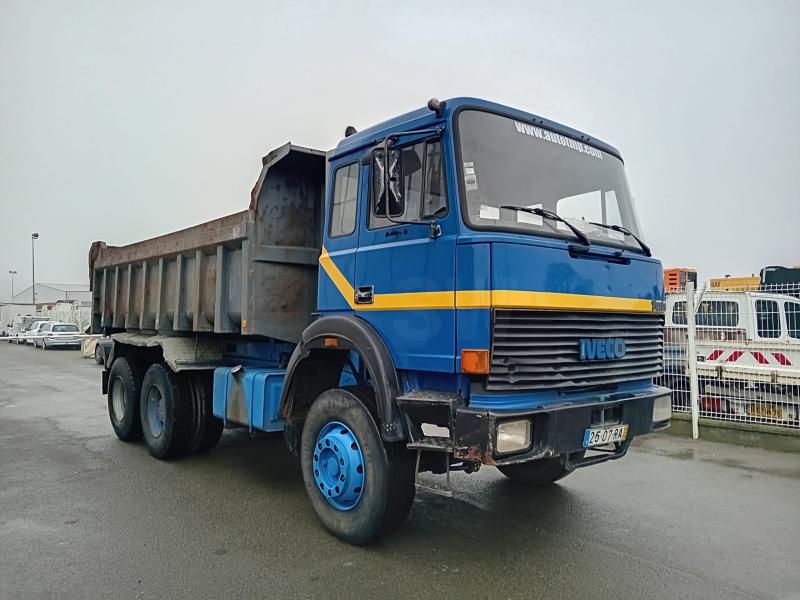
point(365, 294)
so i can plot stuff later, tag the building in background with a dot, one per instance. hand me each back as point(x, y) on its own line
point(49, 293)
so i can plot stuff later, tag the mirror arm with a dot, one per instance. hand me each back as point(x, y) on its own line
point(386, 179)
point(434, 228)
point(386, 175)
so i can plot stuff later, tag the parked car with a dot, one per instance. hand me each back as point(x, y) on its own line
point(32, 334)
point(59, 335)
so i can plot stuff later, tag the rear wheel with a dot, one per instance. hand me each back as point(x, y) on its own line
point(98, 355)
point(165, 409)
point(537, 472)
point(207, 427)
point(359, 487)
point(124, 383)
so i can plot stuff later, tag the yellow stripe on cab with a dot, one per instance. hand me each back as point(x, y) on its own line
point(465, 299)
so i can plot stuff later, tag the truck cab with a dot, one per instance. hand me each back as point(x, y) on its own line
point(499, 259)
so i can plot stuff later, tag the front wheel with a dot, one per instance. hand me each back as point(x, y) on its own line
point(359, 487)
point(537, 472)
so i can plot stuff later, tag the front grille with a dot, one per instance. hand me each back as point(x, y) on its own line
point(539, 350)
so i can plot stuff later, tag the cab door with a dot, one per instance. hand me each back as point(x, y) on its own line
point(404, 278)
point(340, 237)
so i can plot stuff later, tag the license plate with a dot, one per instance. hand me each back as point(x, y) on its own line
point(767, 412)
point(606, 435)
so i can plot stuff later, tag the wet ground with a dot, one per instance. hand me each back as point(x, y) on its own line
point(83, 515)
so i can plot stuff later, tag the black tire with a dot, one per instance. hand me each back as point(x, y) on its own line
point(98, 355)
point(388, 468)
point(124, 385)
point(44, 345)
point(207, 428)
point(537, 472)
point(175, 437)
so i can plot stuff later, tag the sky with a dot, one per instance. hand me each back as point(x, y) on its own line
point(120, 121)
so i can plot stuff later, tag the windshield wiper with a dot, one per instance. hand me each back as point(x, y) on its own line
point(621, 229)
point(546, 214)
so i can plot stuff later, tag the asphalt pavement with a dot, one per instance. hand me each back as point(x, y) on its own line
point(83, 515)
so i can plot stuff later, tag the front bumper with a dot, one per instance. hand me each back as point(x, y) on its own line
point(557, 429)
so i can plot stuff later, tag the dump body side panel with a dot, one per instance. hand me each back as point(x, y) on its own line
point(250, 273)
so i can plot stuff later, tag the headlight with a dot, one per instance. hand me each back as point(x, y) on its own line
point(662, 409)
point(513, 436)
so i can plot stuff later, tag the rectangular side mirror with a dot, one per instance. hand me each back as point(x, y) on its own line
point(387, 183)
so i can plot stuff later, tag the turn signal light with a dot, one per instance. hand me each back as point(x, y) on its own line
point(475, 362)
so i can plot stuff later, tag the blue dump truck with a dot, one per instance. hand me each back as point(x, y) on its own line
point(462, 285)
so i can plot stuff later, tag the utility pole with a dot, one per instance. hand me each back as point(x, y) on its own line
point(12, 272)
point(34, 237)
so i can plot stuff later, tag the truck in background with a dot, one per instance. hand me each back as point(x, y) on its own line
point(748, 353)
point(12, 316)
point(460, 286)
point(21, 327)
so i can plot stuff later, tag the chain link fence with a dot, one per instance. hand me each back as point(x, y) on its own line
point(746, 359)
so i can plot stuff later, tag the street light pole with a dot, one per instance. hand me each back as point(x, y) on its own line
point(34, 237)
point(12, 272)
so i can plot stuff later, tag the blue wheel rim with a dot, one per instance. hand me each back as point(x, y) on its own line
point(338, 466)
point(155, 412)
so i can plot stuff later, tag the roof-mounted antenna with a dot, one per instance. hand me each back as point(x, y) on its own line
point(350, 131)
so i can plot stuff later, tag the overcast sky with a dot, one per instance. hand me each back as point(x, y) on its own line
point(124, 120)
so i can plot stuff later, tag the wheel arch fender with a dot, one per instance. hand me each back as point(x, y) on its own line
point(316, 365)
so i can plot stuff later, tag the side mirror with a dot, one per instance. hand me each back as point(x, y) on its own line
point(387, 182)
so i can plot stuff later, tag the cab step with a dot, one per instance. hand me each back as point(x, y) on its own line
point(446, 491)
point(431, 444)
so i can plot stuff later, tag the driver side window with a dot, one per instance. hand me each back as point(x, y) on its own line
point(424, 185)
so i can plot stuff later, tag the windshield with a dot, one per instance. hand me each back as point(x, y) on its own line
point(511, 163)
point(62, 328)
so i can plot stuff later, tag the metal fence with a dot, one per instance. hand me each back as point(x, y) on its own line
point(735, 352)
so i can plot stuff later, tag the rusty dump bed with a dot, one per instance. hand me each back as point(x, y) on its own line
point(250, 273)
